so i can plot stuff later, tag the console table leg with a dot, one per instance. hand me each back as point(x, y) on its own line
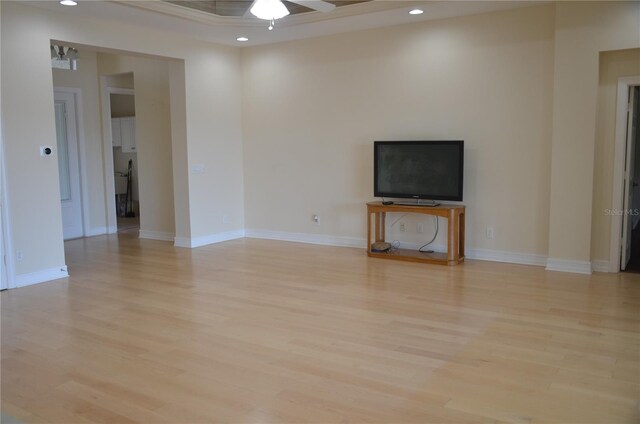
point(368, 231)
point(452, 241)
point(461, 243)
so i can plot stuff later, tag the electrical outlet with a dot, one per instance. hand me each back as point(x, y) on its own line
point(420, 227)
point(19, 255)
point(316, 219)
point(490, 233)
point(403, 227)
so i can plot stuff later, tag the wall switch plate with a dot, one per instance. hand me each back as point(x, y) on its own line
point(420, 227)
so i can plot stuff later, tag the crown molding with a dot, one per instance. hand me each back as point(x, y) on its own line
point(194, 15)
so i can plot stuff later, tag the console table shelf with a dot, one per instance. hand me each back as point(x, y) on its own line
point(376, 215)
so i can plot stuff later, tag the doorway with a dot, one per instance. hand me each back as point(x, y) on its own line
point(125, 160)
point(67, 148)
point(630, 254)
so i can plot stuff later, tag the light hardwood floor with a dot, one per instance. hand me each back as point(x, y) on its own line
point(252, 331)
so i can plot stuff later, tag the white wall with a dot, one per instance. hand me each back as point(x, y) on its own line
point(519, 86)
point(211, 124)
point(312, 109)
point(613, 65)
point(154, 166)
point(583, 30)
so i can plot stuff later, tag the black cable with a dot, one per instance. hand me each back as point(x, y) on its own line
point(432, 240)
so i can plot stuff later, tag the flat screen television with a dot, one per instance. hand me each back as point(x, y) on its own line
point(419, 169)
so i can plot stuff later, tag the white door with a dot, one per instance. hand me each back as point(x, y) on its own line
point(68, 165)
point(627, 220)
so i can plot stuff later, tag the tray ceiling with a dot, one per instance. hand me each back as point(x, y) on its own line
point(239, 7)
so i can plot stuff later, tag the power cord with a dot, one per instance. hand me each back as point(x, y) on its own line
point(432, 240)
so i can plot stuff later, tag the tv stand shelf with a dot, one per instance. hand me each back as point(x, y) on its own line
point(455, 232)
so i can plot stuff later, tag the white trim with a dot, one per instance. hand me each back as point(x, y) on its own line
point(618, 170)
point(210, 239)
point(41, 276)
point(600, 265)
point(566, 265)
point(155, 235)
point(182, 242)
point(507, 257)
point(307, 238)
point(118, 90)
point(478, 254)
point(84, 189)
point(217, 20)
point(6, 218)
point(490, 255)
point(107, 150)
point(96, 231)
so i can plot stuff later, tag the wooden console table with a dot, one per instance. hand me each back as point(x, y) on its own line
point(455, 233)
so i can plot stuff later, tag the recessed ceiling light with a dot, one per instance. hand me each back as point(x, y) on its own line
point(416, 12)
point(242, 39)
point(68, 3)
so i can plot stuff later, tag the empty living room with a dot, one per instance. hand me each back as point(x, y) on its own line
point(320, 211)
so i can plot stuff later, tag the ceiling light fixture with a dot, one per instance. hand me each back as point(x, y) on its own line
point(68, 3)
point(269, 10)
point(242, 39)
point(416, 12)
point(64, 57)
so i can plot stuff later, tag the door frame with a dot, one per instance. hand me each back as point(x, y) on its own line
point(82, 163)
point(620, 148)
point(5, 219)
point(107, 147)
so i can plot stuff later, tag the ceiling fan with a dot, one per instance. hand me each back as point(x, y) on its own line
point(271, 10)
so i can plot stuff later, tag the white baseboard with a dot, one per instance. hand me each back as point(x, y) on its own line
point(480, 254)
point(42, 276)
point(182, 242)
point(97, 231)
point(155, 235)
point(210, 239)
point(600, 265)
point(307, 238)
point(566, 265)
point(509, 257)
point(488, 254)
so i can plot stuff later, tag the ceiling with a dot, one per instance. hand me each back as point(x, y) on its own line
point(217, 27)
point(240, 7)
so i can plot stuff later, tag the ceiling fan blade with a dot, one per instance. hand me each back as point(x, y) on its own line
point(319, 5)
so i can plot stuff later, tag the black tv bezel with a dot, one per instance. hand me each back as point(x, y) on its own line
point(418, 196)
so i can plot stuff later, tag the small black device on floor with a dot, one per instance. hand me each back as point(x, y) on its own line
point(387, 202)
point(380, 246)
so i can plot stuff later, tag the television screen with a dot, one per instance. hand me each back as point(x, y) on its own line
point(419, 169)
